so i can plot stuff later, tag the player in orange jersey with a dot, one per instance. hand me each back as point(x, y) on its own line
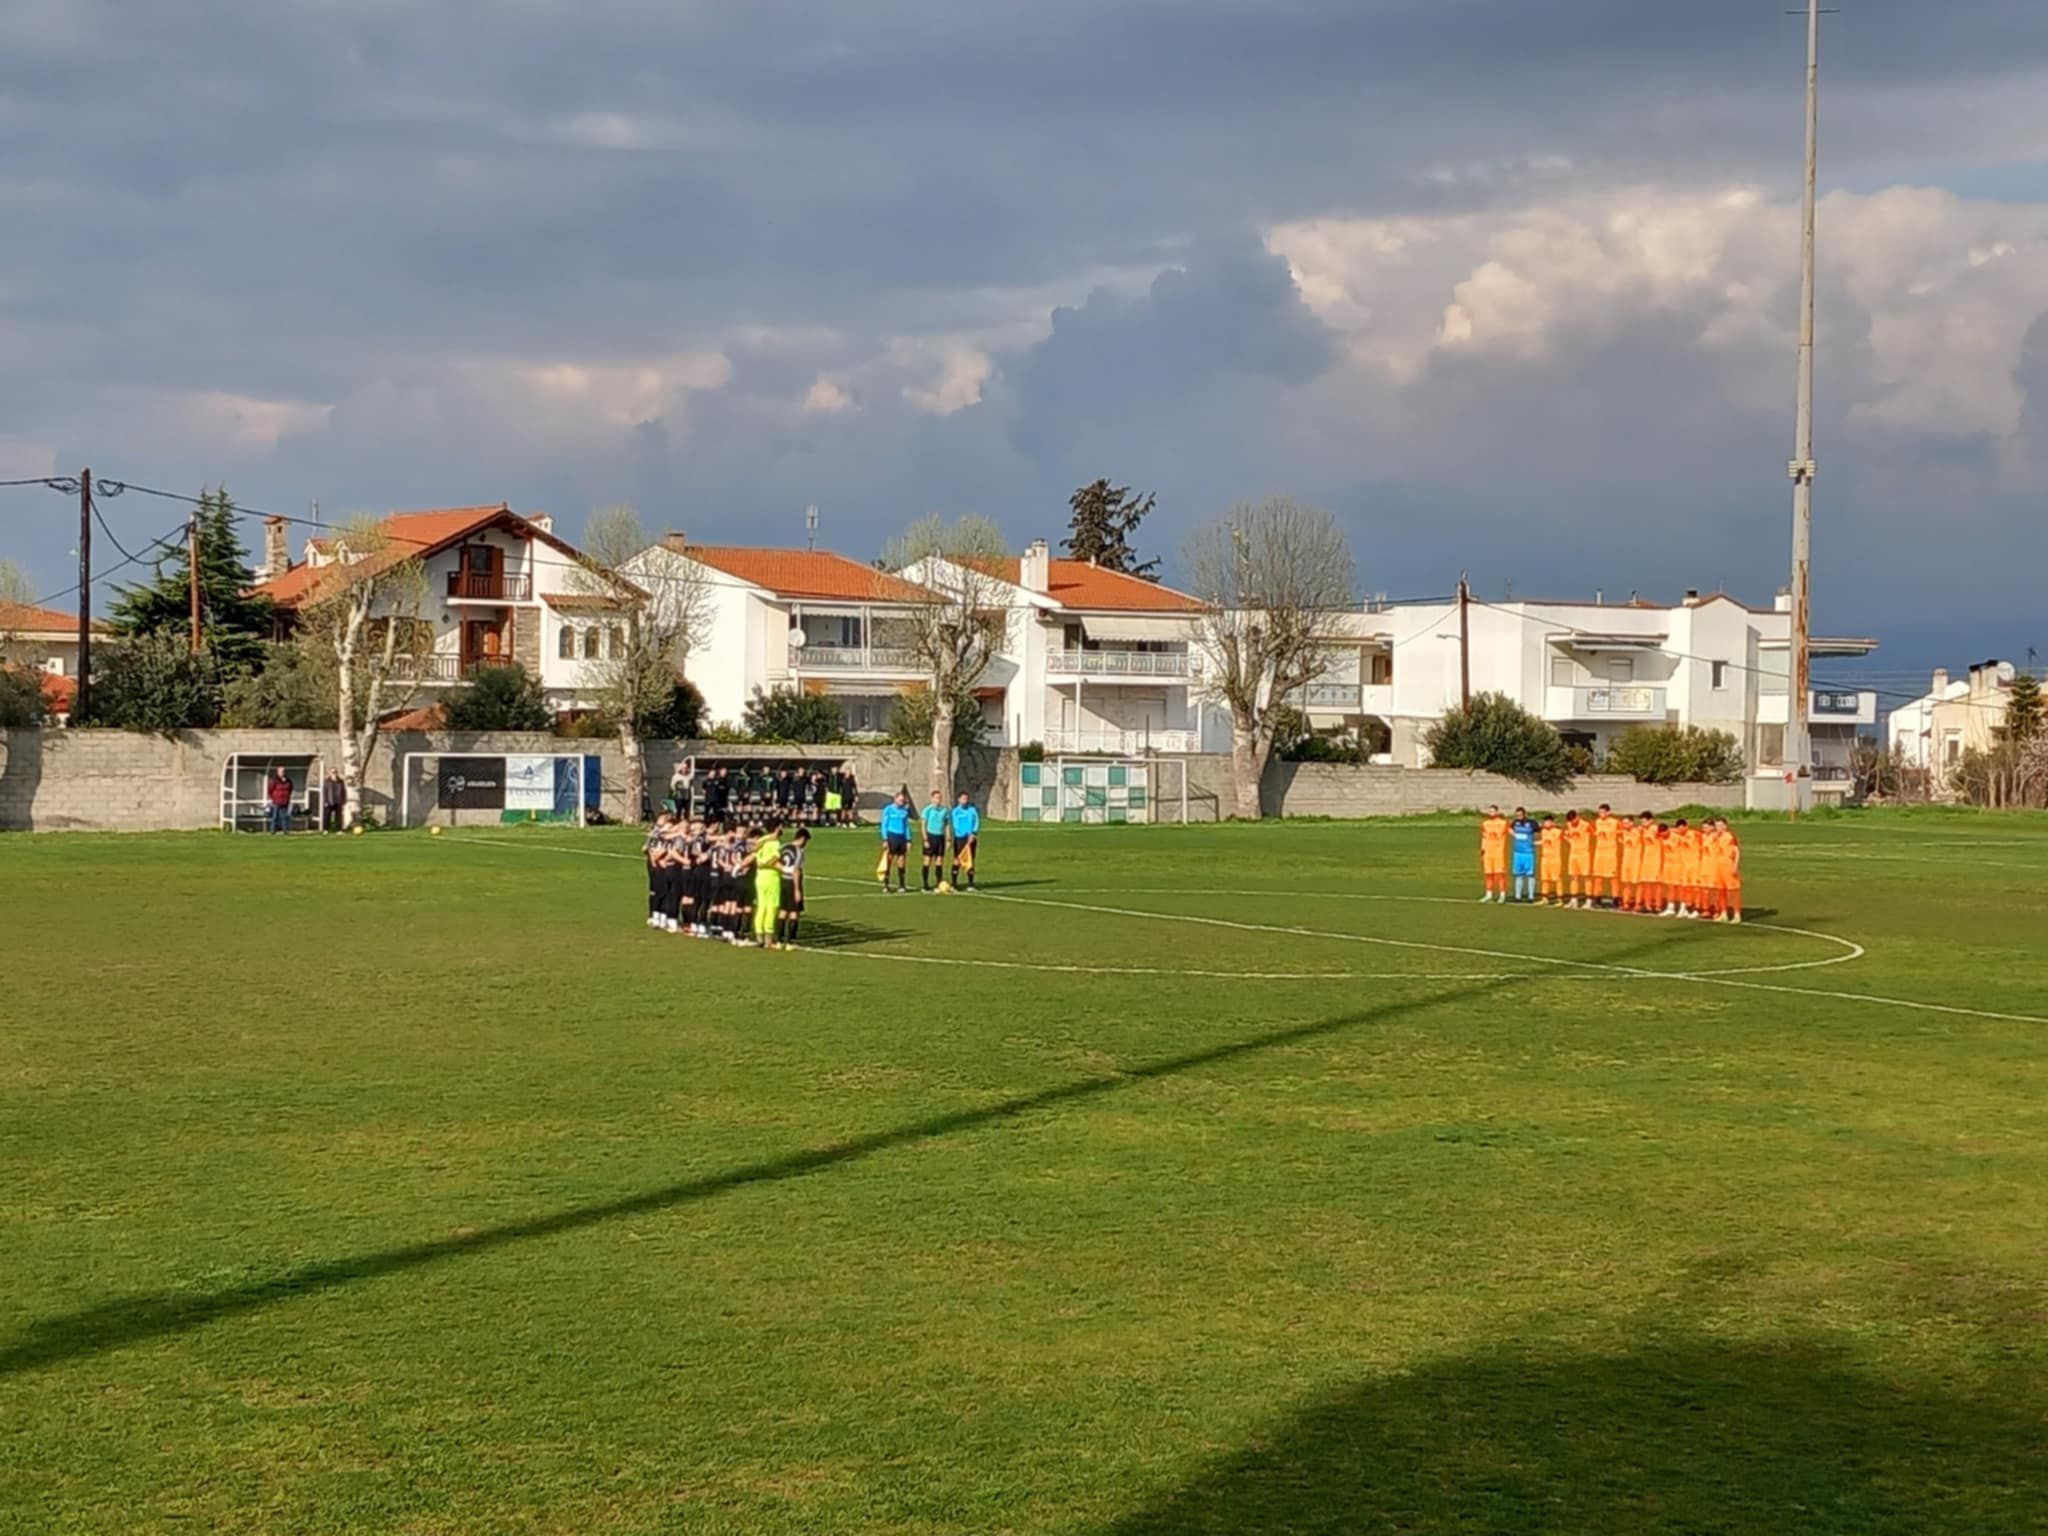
point(1731, 874)
point(1493, 854)
point(1631, 864)
point(1578, 859)
point(1709, 904)
point(1650, 866)
point(1682, 870)
point(1606, 855)
point(1550, 863)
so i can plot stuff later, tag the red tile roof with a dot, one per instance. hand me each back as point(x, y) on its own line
point(409, 535)
point(27, 619)
point(582, 602)
point(1078, 584)
point(432, 718)
point(802, 573)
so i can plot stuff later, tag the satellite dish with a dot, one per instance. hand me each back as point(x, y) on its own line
point(796, 636)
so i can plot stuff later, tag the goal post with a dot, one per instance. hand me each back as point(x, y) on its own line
point(496, 788)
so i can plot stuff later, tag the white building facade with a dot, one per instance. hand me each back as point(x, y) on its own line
point(499, 588)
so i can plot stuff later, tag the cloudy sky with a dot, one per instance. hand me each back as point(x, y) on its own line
point(1508, 286)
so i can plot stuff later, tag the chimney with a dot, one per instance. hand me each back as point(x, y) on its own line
point(1692, 597)
point(542, 521)
point(1599, 597)
point(1783, 601)
point(277, 553)
point(1940, 682)
point(1034, 571)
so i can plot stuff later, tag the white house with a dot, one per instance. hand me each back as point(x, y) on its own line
point(45, 641)
point(1595, 669)
point(1092, 660)
point(1911, 734)
point(499, 588)
point(799, 619)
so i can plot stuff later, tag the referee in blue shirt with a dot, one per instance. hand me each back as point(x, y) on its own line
point(896, 840)
point(933, 871)
point(966, 841)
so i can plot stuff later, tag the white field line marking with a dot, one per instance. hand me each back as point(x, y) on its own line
point(1851, 950)
point(1612, 972)
point(1160, 970)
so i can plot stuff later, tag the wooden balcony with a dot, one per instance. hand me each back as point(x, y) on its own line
point(489, 587)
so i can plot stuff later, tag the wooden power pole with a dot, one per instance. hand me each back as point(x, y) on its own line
point(192, 559)
point(1464, 641)
point(81, 703)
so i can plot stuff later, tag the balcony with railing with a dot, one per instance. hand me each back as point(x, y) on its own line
point(1114, 742)
point(443, 667)
point(1617, 701)
point(466, 586)
point(1143, 665)
point(857, 658)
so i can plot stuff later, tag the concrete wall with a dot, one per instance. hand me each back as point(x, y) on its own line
point(117, 781)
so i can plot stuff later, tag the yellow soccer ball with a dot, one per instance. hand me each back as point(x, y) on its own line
point(945, 889)
point(433, 831)
point(357, 829)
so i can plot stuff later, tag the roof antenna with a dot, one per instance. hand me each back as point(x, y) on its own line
point(811, 527)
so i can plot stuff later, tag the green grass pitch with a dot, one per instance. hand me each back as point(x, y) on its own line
point(1248, 1179)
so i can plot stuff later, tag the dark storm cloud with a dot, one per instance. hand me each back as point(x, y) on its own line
point(370, 206)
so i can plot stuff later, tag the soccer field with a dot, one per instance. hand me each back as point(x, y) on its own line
point(1232, 1179)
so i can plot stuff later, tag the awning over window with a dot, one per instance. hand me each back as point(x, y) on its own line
point(1123, 628)
point(1582, 642)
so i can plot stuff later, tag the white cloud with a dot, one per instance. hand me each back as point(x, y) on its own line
point(828, 394)
point(1942, 288)
point(962, 372)
point(560, 394)
point(246, 422)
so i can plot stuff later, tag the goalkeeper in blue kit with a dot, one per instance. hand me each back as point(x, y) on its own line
point(1522, 855)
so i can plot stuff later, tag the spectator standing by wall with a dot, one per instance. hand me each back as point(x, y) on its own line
point(333, 801)
point(278, 791)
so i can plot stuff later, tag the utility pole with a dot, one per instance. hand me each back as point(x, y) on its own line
point(1464, 641)
point(1798, 750)
point(81, 704)
point(192, 561)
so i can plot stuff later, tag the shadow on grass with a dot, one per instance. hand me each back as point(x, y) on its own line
point(126, 1320)
point(1690, 1436)
point(831, 934)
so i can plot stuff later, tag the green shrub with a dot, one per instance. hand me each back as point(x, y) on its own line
point(1323, 749)
point(1497, 735)
point(1031, 752)
point(1674, 754)
point(681, 718)
point(802, 719)
point(294, 691)
point(503, 698)
point(21, 697)
point(154, 683)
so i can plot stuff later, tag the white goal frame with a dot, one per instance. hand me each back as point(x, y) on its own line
point(405, 778)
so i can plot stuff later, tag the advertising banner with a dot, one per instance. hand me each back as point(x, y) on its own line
point(471, 784)
point(529, 784)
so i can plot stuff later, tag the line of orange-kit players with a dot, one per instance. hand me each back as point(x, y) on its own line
point(1625, 864)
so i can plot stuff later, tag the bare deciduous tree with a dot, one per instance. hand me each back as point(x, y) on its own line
point(365, 613)
point(664, 610)
point(1269, 574)
point(957, 627)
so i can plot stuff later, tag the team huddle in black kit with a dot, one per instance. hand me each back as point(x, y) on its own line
point(798, 796)
point(709, 880)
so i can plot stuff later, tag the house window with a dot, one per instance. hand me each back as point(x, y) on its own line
point(1382, 671)
point(1561, 672)
point(617, 637)
point(566, 644)
point(592, 640)
point(1720, 674)
point(1621, 669)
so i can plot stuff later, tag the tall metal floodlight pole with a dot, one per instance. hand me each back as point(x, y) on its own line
point(1798, 753)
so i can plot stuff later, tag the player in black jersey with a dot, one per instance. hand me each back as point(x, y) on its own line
point(790, 915)
point(650, 850)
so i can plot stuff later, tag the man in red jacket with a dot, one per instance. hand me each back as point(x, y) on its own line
point(278, 791)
